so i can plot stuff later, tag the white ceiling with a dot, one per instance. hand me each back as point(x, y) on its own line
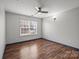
point(27, 7)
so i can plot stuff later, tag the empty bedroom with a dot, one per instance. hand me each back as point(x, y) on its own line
point(39, 29)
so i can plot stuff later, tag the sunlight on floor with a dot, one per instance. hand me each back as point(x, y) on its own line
point(29, 52)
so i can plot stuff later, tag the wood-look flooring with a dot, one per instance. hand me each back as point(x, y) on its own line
point(40, 49)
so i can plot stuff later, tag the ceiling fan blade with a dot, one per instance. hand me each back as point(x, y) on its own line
point(36, 13)
point(37, 8)
point(44, 11)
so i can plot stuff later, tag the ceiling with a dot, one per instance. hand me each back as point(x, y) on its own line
point(27, 7)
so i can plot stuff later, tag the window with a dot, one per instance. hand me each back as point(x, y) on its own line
point(28, 27)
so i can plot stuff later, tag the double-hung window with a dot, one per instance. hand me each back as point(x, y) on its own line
point(28, 27)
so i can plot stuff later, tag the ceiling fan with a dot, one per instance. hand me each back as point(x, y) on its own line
point(39, 10)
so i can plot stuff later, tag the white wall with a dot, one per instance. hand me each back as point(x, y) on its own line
point(65, 29)
point(12, 25)
point(2, 32)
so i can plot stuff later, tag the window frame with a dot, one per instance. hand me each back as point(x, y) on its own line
point(29, 26)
